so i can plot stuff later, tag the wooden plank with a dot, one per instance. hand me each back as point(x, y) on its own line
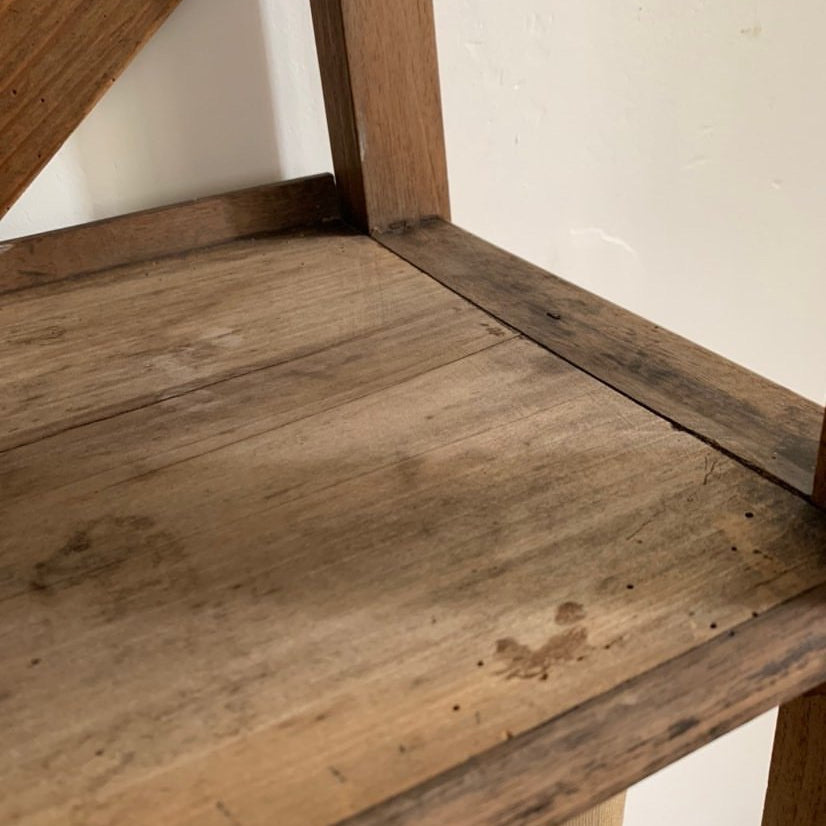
point(796, 794)
point(154, 233)
point(159, 330)
point(381, 92)
point(57, 57)
point(819, 494)
point(610, 813)
point(766, 426)
point(297, 593)
point(612, 744)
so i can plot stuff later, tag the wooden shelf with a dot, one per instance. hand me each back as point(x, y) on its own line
point(291, 533)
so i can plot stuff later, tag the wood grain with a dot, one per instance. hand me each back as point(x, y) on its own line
point(57, 57)
point(613, 744)
point(381, 92)
point(796, 794)
point(384, 555)
point(761, 423)
point(610, 813)
point(224, 312)
point(819, 494)
point(155, 233)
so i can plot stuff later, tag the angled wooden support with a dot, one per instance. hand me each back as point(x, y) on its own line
point(819, 494)
point(796, 795)
point(57, 57)
point(381, 91)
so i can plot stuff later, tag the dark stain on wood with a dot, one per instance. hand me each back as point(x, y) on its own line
point(525, 663)
point(569, 613)
point(118, 557)
point(682, 726)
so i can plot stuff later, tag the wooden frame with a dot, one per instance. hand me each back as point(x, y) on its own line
point(819, 494)
point(379, 72)
point(381, 92)
point(56, 60)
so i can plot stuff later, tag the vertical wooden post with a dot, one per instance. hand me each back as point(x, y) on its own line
point(796, 795)
point(381, 92)
point(610, 813)
point(819, 494)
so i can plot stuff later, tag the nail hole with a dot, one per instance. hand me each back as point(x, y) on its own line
point(749, 515)
point(630, 586)
point(456, 707)
point(713, 625)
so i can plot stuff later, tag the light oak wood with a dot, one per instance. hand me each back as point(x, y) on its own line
point(796, 795)
point(610, 813)
point(57, 57)
point(766, 426)
point(819, 494)
point(368, 555)
point(381, 92)
point(155, 233)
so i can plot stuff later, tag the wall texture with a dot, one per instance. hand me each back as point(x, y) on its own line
point(665, 155)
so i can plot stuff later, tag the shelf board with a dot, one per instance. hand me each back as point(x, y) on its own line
point(294, 534)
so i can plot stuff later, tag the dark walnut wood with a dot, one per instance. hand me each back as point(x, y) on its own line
point(765, 425)
point(381, 91)
point(796, 794)
point(820, 473)
point(292, 533)
point(155, 233)
point(57, 57)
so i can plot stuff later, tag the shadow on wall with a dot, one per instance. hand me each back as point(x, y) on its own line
point(191, 116)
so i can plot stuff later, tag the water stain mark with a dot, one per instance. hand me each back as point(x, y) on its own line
point(127, 560)
point(525, 663)
point(569, 613)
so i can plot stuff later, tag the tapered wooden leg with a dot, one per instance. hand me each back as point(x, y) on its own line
point(796, 795)
point(609, 813)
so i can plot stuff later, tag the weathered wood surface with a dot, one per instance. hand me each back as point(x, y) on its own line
point(765, 425)
point(377, 536)
point(224, 312)
point(381, 92)
point(820, 474)
point(796, 795)
point(154, 233)
point(57, 57)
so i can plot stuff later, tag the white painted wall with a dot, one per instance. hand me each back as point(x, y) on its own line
point(667, 156)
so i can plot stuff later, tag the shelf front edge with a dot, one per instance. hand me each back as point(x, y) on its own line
point(551, 773)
